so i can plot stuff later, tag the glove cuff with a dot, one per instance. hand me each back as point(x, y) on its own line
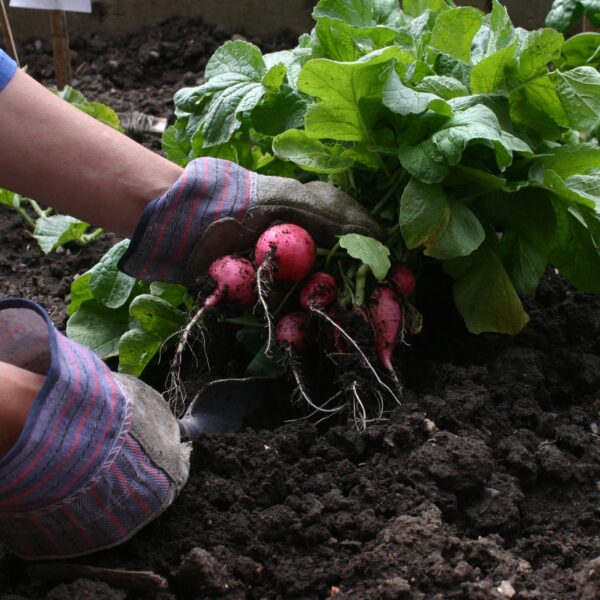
point(79, 479)
point(209, 189)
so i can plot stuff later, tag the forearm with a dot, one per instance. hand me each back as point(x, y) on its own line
point(56, 154)
point(19, 388)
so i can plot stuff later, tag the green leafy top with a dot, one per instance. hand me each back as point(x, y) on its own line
point(463, 135)
point(99, 111)
point(565, 13)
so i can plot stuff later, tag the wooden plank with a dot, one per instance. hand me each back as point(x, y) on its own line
point(7, 32)
point(144, 581)
point(60, 48)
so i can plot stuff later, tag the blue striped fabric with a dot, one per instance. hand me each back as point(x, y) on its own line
point(76, 481)
point(208, 189)
point(8, 68)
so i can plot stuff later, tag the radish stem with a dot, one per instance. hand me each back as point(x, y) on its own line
point(361, 282)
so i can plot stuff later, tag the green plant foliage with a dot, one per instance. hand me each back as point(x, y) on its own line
point(369, 251)
point(99, 111)
point(565, 13)
point(115, 315)
point(467, 138)
point(462, 108)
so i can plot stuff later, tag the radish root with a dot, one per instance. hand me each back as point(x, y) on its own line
point(301, 390)
point(322, 409)
point(263, 280)
point(397, 383)
point(359, 411)
point(350, 339)
point(176, 393)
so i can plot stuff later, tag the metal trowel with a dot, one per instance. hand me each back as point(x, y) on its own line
point(227, 405)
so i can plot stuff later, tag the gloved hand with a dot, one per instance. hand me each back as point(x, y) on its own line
point(218, 208)
point(99, 455)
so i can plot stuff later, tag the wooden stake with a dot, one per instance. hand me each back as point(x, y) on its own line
point(7, 32)
point(60, 48)
point(587, 26)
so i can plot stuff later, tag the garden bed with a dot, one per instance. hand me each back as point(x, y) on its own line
point(484, 483)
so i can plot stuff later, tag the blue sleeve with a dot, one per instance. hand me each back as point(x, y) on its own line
point(7, 69)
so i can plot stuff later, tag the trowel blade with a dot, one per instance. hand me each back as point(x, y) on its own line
point(224, 405)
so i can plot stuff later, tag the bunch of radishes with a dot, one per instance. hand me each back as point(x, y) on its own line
point(292, 250)
point(285, 255)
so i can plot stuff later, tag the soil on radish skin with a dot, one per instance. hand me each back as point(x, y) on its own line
point(484, 484)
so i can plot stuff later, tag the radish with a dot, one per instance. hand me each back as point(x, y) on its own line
point(385, 312)
point(294, 335)
point(338, 332)
point(289, 248)
point(351, 318)
point(317, 295)
point(235, 280)
point(334, 334)
point(283, 252)
point(402, 280)
point(319, 291)
point(293, 332)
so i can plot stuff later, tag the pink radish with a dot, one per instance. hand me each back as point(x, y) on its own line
point(402, 280)
point(294, 335)
point(293, 332)
point(235, 279)
point(338, 334)
point(333, 333)
point(386, 316)
point(289, 248)
point(285, 253)
point(319, 291)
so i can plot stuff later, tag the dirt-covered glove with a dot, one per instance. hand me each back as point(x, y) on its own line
point(99, 455)
point(218, 208)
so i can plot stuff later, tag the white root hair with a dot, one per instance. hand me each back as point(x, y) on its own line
point(363, 356)
point(176, 392)
point(263, 280)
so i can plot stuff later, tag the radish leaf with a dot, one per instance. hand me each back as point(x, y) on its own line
point(369, 251)
point(486, 297)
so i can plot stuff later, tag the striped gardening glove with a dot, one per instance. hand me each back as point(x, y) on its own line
point(99, 455)
point(217, 207)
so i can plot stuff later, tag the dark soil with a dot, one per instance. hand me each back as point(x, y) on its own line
point(484, 484)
